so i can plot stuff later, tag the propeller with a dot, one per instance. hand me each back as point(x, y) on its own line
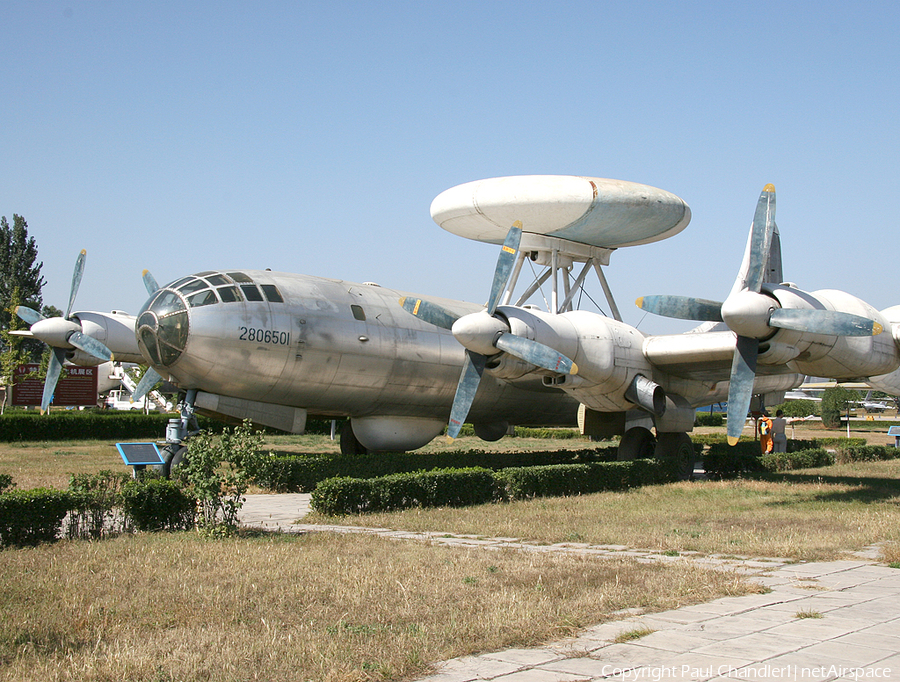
point(62, 334)
point(752, 315)
point(484, 334)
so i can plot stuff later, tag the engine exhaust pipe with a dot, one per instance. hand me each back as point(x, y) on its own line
point(647, 395)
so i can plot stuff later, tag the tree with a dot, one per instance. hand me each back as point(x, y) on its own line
point(20, 278)
point(834, 402)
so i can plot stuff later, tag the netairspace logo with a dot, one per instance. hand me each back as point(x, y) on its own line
point(792, 673)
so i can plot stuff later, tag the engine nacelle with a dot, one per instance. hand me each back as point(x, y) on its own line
point(608, 353)
point(832, 356)
point(115, 330)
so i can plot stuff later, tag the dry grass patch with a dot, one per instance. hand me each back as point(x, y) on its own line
point(322, 607)
point(49, 464)
point(813, 514)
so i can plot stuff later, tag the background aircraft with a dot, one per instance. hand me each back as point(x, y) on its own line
point(278, 347)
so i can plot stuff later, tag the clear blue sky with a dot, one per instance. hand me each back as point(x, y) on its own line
point(311, 137)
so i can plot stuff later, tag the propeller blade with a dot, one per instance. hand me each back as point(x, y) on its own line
point(828, 322)
point(28, 315)
point(761, 232)
point(536, 353)
point(505, 262)
point(682, 307)
point(740, 389)
point(76, 281)
point(54, 367)
point(469, 379)
point(150, 282)
point(429, 312)
point(90, 345)
point(146, 384)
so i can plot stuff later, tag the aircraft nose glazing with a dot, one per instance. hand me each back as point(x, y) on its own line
point(162, 328)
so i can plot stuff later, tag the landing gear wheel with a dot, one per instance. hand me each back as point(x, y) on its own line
point(678, 447)
point(637, 443)
point(173, 455)
point(349, 444)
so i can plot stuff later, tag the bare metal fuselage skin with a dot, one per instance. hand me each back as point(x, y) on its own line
point(332, 347)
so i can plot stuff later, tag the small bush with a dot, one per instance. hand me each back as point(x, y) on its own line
point(94, 500)
point(158, 504)
point(6, 483)
point(448, 487)
point(302, 473)
point(709, 419)
point(803, 459)
point(30, 517)
point(865, 453)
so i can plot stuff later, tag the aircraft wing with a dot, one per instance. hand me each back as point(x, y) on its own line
point(703, 357)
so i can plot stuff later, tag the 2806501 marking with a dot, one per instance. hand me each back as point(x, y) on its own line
point(258, 335)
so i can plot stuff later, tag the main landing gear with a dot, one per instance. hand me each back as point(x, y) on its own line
point(178, 431)
point(640, 443)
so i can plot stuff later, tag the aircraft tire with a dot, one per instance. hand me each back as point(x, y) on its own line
point(173, 455)
point(637, 443)
point(349, 443)
point(677, 446)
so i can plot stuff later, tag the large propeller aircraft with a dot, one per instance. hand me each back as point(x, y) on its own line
point(278, 347)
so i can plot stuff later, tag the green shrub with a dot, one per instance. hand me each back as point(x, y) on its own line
point(865, 453)
point(728, 461)
point(78, 425)
point(95, 498)
point(29, 517)
point(6, 483)
point(709, 419)
point(802, 459)
point(303, 473)
point(446, 487)
point(582, 479)
point(158, 504)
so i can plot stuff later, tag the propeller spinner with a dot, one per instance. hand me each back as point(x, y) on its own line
point(62, 334)
point(754, 316)
point(484, 334)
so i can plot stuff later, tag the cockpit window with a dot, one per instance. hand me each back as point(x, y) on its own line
point(240, 277)
point(177, 283)
point(203, 298)
point(217, 280)
point(193, 286)
point(251, 292)
point(272, 293)
point(229, 294)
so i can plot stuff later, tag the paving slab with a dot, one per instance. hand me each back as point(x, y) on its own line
point(755, 638)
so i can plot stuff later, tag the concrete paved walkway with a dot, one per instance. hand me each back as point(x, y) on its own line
point(820, 622)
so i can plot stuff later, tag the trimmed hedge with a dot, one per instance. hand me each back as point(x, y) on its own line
point(802, 459)
point(78, 425)
point(302, 473)
point(158, 504)
point(709, 419)
point(722, 461)
point(462, 487)
point(866, 453)
point(446, 487)
point(520, 483)
point(30, 517)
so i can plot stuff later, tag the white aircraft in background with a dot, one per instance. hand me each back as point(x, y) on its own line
point(278, 347)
